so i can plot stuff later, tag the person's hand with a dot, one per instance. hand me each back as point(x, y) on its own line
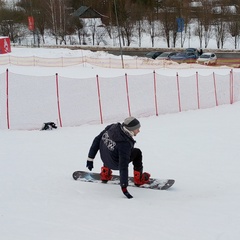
point(126, 193)
point(89, 164)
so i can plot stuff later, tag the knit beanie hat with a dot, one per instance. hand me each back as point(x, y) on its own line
point(131, 123)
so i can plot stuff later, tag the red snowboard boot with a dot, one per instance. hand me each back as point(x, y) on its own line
point(106, 174)
point(141, 178)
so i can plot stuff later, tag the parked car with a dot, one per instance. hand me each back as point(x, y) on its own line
point(194, 50)
point(184, 57)
point(165, 55)
point(153, 55)
point(207, 59)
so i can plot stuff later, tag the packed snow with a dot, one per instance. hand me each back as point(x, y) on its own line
point(199, 149)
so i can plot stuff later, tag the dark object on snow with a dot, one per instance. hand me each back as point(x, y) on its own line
point(49, 126)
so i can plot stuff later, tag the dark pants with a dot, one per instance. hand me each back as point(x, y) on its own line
point(136, 159)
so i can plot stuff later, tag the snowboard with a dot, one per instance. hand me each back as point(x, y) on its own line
point(157, 184)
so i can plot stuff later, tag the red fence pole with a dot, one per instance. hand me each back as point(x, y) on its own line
point(179, 98)
point(215, 89)
point(99, 100)
point(197, 84)
point(58, 102)
point(231, 86)
point(155, 92)
point(7, 100)
point(128, 99)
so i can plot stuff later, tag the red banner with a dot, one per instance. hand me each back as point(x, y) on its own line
point(31, 23)
point(5, 46)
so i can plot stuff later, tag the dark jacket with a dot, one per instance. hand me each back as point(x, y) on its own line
point(115, 146)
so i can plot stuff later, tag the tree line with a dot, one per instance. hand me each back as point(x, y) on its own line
point(124, 19)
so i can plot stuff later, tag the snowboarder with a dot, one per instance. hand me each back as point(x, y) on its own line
point(116, 146)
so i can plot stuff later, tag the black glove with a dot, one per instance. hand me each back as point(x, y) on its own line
point(89, 165)
point(126, 193)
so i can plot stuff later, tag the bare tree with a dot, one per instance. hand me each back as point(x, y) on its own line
point(168, 15)
point(125, 21)
point(11, 20)
point(54, 15)
point(205, 20)
point(221, 14)
point(2, 4)
point(234, 29)
point(220, 33)
point(234, 24)
point(151, 29)
point(198, 31)
point(58, 21)
point(139, 20)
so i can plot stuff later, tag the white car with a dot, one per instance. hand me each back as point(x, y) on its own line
point(207, 59)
